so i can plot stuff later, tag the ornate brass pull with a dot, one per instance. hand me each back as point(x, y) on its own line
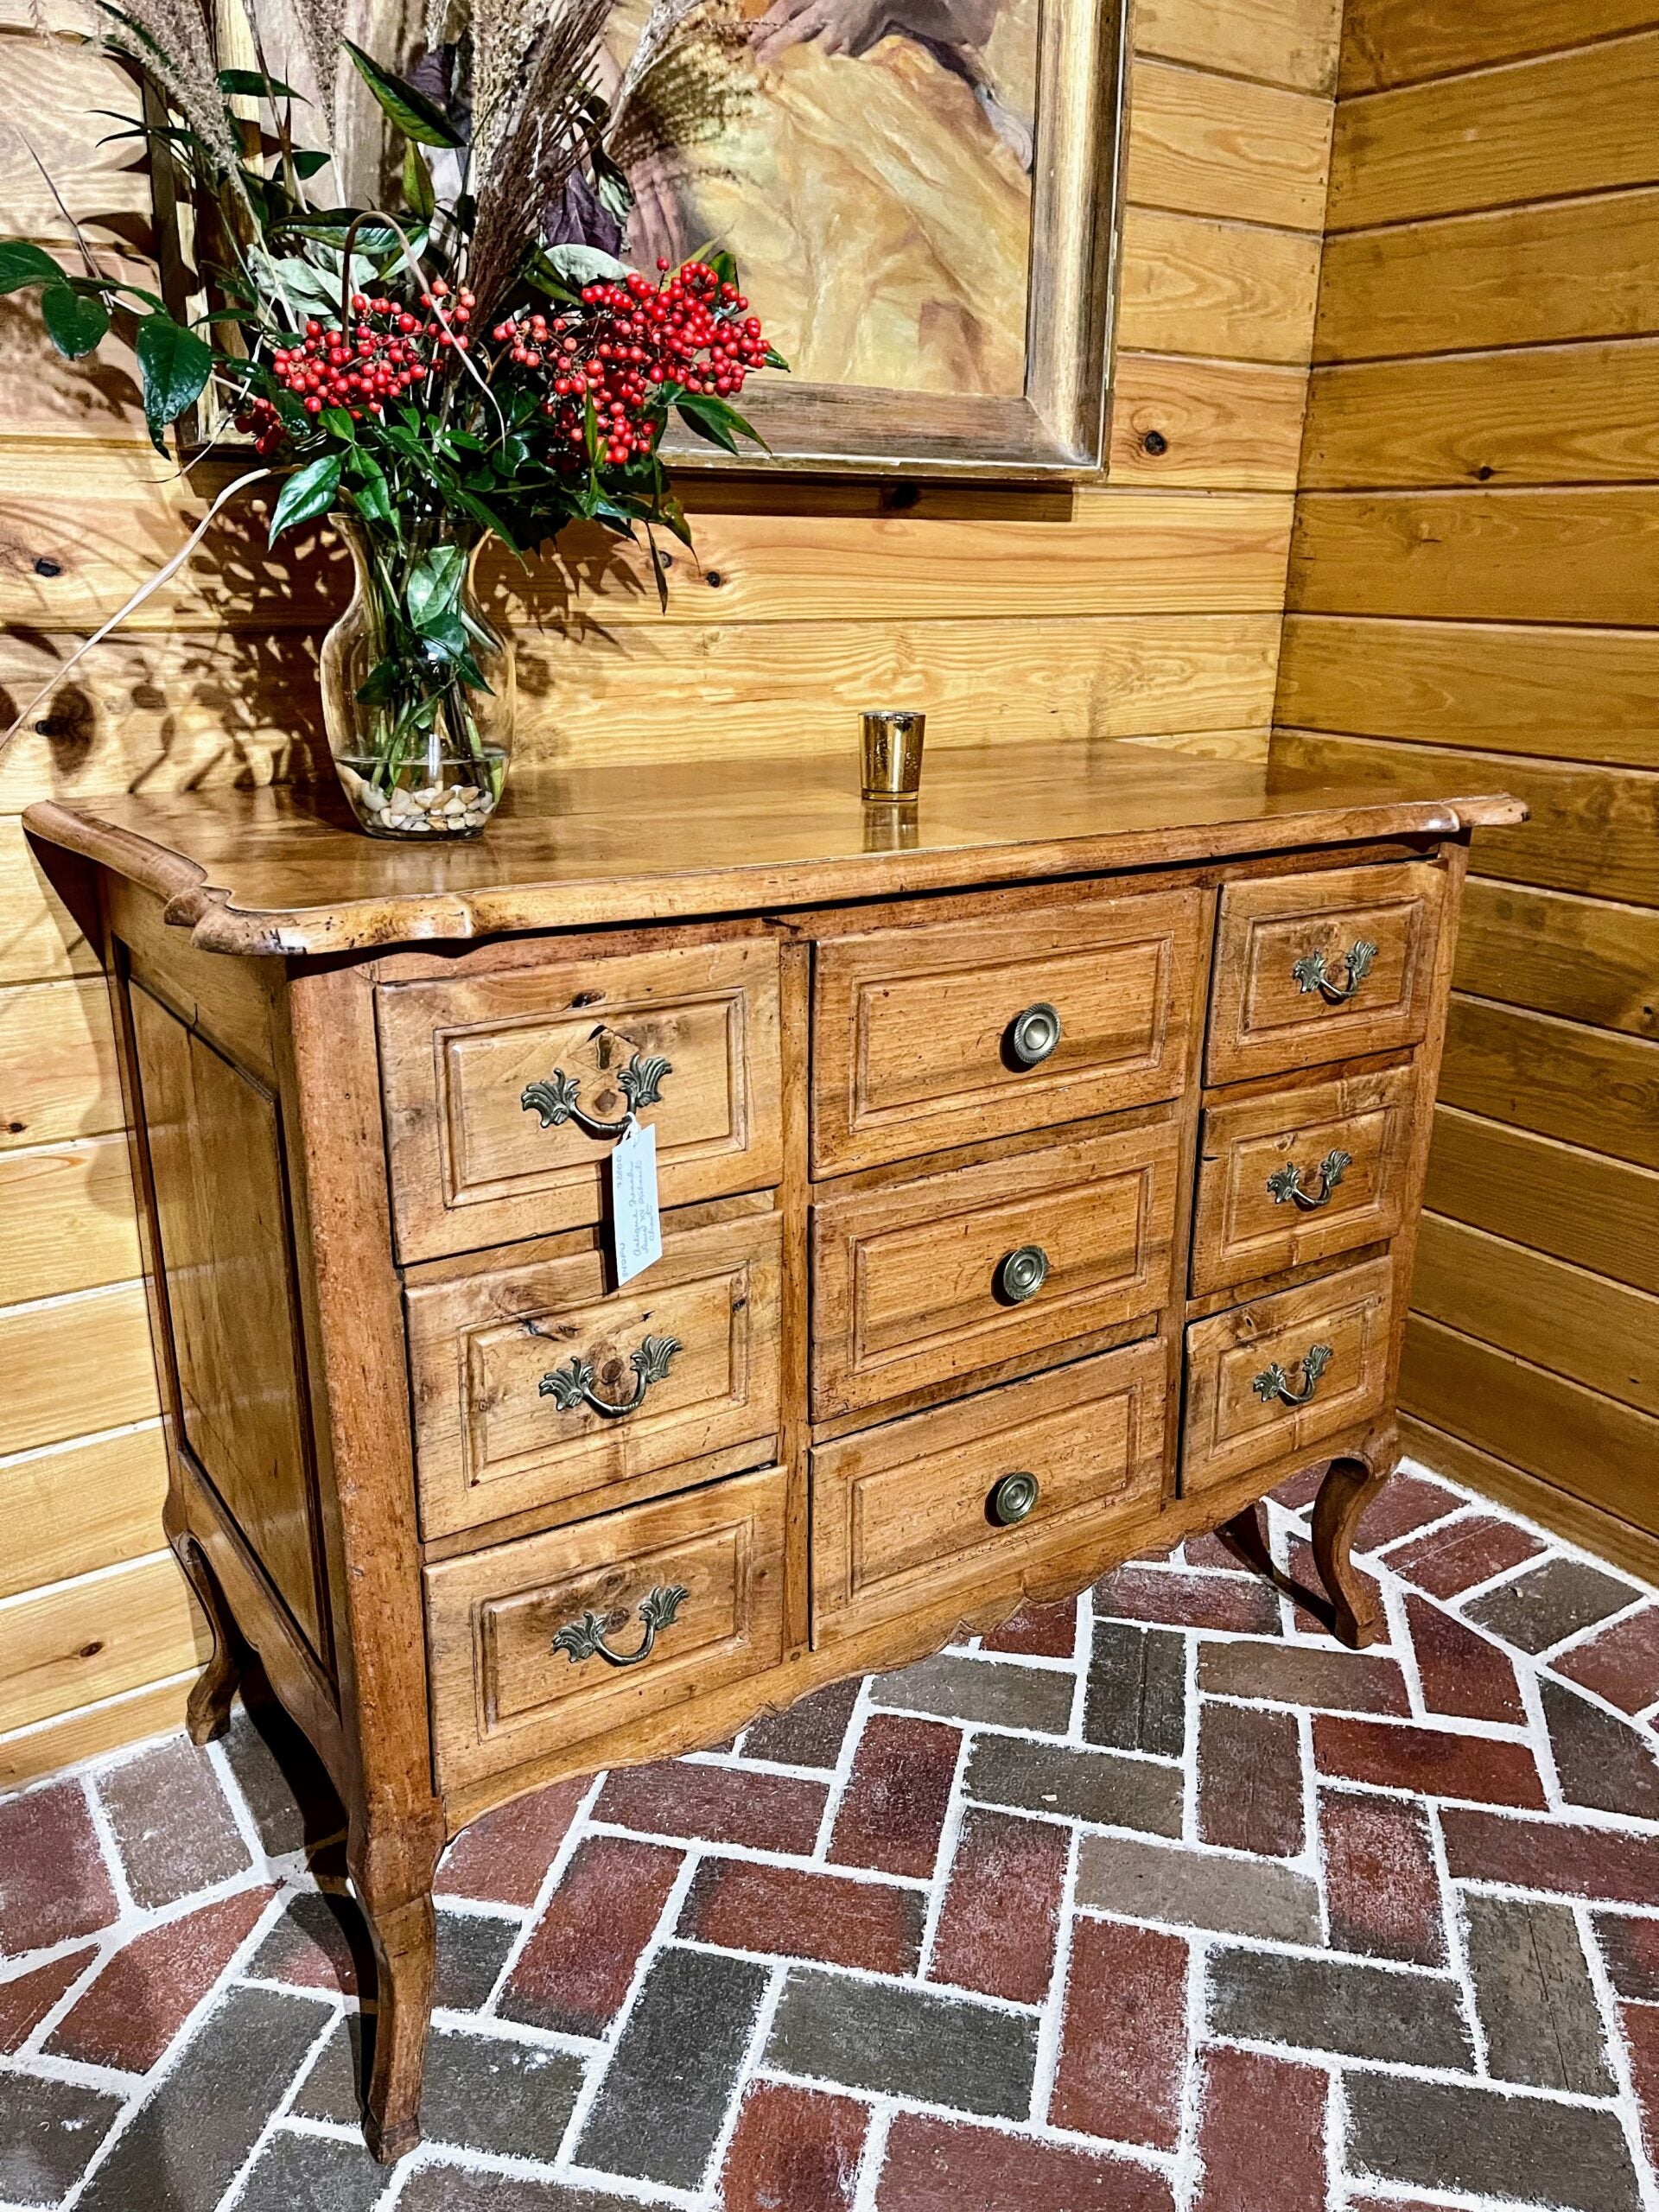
point(1274, 1383)
point(1022, 1274)
point(585, 1639)
point(1034, 1034)
point(572, 1385)
point(1313, 975)
point(1013, 1499)
point(640, 1083)
point(1285, 1183)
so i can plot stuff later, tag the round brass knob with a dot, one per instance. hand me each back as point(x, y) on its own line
point(1023, 1274)
point(1034, 1033)
point(1013, 1499)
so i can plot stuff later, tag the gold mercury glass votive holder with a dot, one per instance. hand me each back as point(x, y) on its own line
point(892, 748)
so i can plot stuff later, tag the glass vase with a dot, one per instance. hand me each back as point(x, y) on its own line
point(419, 713)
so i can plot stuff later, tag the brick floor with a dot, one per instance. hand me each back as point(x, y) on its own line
point(1155, 1902)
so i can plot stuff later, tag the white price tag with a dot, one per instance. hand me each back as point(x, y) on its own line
point(637, 1220)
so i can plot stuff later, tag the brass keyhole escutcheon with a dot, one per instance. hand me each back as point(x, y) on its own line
point(1022, 1274)
point(1034, 1034)
point(1013, 1499)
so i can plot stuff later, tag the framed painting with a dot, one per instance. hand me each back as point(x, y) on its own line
point(922, 197)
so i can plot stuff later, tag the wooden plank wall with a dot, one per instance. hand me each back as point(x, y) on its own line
point(1475, 587)
point(1149, 609)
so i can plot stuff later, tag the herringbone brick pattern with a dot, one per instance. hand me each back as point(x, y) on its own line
point(1159, 1902)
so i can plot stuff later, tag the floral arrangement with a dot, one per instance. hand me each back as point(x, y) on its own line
point(475, 362)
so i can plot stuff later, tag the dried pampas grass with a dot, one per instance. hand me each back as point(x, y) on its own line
point(528, 131)
point(173, 40)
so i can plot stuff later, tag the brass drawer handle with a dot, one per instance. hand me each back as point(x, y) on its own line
point(1313, 975)
point(572, 1385)
point(640, 1083)
point(1285, 1183)
point(1022, 1274)
point(1274, 1383)
point(1014, 1498)
point(585, 1639)
point(1034, 1034)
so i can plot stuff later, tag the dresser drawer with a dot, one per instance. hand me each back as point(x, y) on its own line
point(921, 1283)
point(1272, 1377)
point(513, 1369)
point(505, 1092)
point(513, 1633)
point(1302, 1175)
point(1316, 967)
point(919, 1042)
point(912, 1514)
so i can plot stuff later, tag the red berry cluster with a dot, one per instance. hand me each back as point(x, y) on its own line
point(634, 336)
point(388, 349)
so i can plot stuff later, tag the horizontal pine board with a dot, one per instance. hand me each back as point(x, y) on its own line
point(87, 1640)
point(1280, 41)
point(1600, 1213)
point(75, 1366)
point(1590, 1445)
point(1591, 1526)
point(1560, 123)
point(57, 1063)
point(1559, 1079)
point(1576, 413)
point(86, 1734)
point(1580, 556)
point(1585, 959)
point(1224, 425)
point(39, 942)
point(1191, 285)
point(1103, 552)
point(1521, 276)
point(57, 88)
point(81, 1506)
point(1592, 828)
point(1209, 145)
point(1400, 42)
point(66, 1220)
point(1576, 695)
point(1576, 1323)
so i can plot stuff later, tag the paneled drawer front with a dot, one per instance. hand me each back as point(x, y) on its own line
point(507, 1365)
point(505, 1093)
point(1273, 1376)
point(917, 1041)
point(1300, 1175)
point(917, 1284)
point(1323, 967)
point(907, 1515)
point(513, 1632)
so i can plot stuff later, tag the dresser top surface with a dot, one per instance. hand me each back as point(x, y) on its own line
point(283, 872)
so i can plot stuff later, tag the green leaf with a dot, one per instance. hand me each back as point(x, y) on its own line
point(307, 160)
point(418, 193)
point(253, 84)
point(711, 418)
point(412, 112)
point(75, 322)
point(722, 265)
point(310, 491)
point(368, 489)
point(21, 263)
point(670, 511)
point(774, 360)
point(584, 264)
point(337, 420)
point(174, 364)
point(434, 586)
point(379, 687)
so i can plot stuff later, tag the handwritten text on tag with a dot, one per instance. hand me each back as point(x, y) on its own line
point(636, 1216)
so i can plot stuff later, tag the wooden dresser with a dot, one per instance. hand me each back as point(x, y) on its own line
point(1039, 1170)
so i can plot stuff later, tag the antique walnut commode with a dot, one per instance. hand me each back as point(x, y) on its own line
point(1039, 1182)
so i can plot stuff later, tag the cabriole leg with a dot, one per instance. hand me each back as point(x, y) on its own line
point(208, 1712)
point(1349, 1486)
point(403, 1932)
